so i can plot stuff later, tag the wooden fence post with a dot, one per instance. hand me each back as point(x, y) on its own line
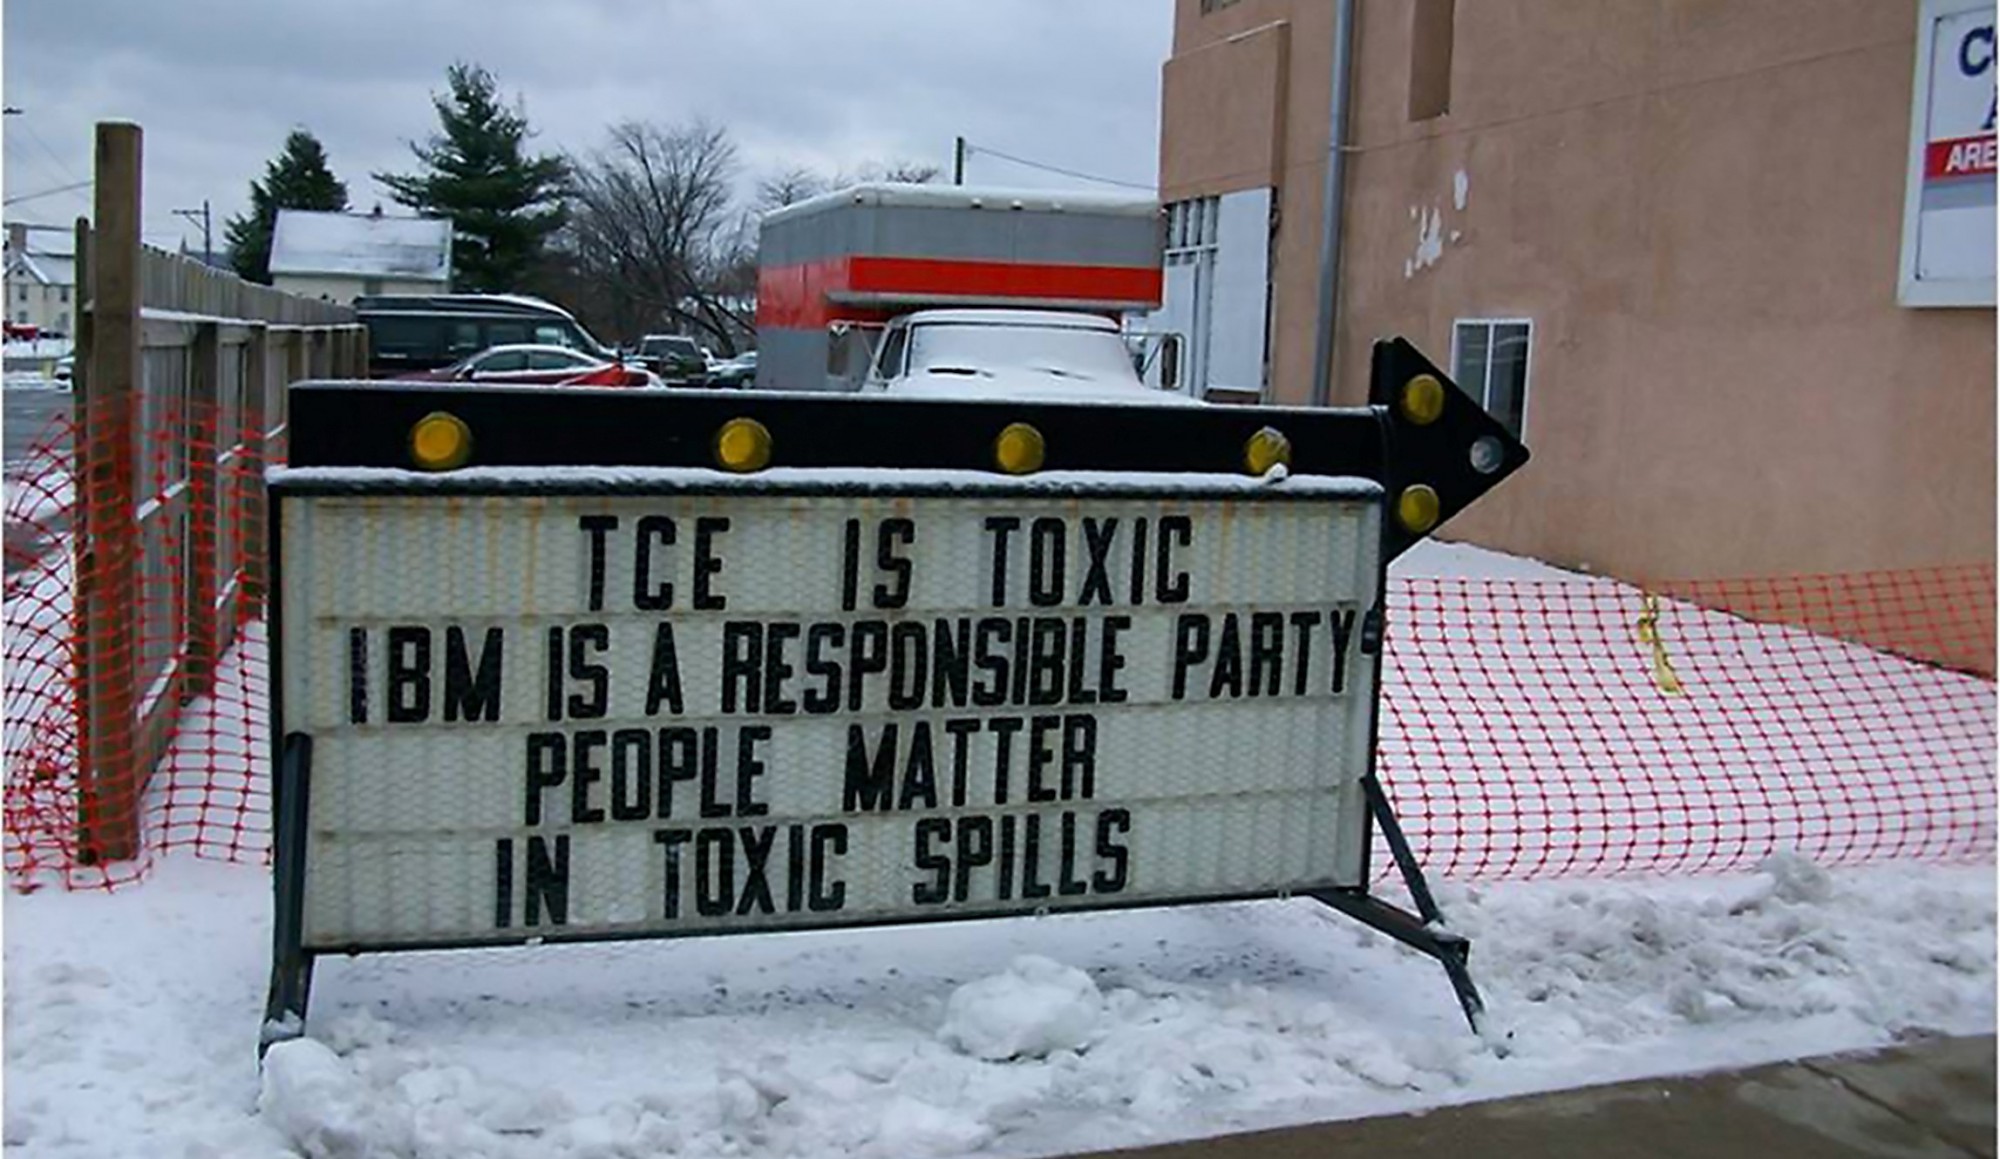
point(298, 363)
point(204, 535)
point(107, 595)
point(256, 389)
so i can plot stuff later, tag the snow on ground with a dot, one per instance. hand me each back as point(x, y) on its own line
point(132, 1017)
point(1441, 559)
point(26, 380)
point(36, 500)
point(36, 347)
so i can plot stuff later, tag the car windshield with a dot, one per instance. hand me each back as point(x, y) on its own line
point(1061, 352)
point(682, 346)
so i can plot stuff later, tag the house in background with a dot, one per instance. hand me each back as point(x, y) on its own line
point(41, 279)
point(341, 256)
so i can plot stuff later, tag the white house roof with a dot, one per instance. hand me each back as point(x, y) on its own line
point(48, 269)
point(361, 245)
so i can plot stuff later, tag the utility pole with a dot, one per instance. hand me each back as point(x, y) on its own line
point(207, 236)
point(958, 161)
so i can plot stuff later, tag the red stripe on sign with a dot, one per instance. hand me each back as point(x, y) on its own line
point(797, 297)
point(1961, 157)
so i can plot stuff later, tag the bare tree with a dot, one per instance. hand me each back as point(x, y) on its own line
point(793, 185)
point(908, 172)
point(799, 183)
point(656, 234)
point(654, 228)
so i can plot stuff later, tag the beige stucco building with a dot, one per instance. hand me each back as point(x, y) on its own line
point(1666, 233)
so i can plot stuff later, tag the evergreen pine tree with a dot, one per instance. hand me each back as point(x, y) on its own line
point(503, 203)
point(297, 178)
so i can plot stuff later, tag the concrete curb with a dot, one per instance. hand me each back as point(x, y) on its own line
point(1931, 1100)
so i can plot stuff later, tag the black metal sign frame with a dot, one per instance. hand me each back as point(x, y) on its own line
point(345, 425)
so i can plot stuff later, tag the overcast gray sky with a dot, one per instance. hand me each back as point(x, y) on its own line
point(821, 83)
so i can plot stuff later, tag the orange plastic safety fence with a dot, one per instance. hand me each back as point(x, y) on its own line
point(1555, 728)
point(135, 685)
point(1529, 729)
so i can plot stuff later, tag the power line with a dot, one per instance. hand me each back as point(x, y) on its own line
point(44, 146)
point(972, 148)
point(45, 193)
point(19, 161)
point(62, 167)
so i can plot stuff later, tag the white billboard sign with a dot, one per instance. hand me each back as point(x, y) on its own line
point(1948, 210)
point(564, 715)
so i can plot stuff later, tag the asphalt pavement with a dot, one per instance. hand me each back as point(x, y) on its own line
point(27, 419)
point(1928, 1100)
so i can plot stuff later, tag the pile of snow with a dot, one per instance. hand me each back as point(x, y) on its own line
point(1008, 1038)
point(1036, 1008)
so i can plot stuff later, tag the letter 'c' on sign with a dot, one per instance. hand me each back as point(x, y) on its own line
point(1975, 52)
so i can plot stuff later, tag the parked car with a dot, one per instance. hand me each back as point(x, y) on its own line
point(672, 357)
point(531, 365)
point(415, 332)
point(735, 374)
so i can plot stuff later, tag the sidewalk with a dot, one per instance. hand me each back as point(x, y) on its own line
point(1930, 1099)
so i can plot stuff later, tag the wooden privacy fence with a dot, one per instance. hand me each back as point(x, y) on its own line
point(180, 383)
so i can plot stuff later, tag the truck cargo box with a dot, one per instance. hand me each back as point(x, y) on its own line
point(832, 268)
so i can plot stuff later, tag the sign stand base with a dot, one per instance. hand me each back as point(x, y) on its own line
point(1417, 931)
point(291, 963)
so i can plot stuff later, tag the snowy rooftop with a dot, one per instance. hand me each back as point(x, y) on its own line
point(48, 269)
point(363, 244)
point(1085, 201)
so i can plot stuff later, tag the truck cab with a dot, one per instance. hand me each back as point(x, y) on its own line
point(1052, 355)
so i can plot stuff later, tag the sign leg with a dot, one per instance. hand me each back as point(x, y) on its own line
point(291, 963)
point(1413, 930)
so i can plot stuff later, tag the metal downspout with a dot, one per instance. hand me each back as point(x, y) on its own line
point(1332, 198)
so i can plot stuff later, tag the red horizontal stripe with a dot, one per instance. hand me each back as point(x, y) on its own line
point(1961, 157)
point(800, 296)
point(958, 279)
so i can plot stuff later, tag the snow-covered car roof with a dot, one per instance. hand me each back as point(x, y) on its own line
point(534, 348)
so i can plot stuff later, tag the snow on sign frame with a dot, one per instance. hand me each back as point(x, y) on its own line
point(547, 671)
point(1948, 201)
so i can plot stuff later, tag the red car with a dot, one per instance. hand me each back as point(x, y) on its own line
point(536, 366)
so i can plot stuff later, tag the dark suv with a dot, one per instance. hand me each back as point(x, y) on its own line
point(673, 357)
point(426, 331)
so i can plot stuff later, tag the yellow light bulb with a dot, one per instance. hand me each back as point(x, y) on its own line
point(1266, 449)
point(1418, 508)
point(1019, 449)
point(440, 441)
point(743, 445)
point(1423, 399)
